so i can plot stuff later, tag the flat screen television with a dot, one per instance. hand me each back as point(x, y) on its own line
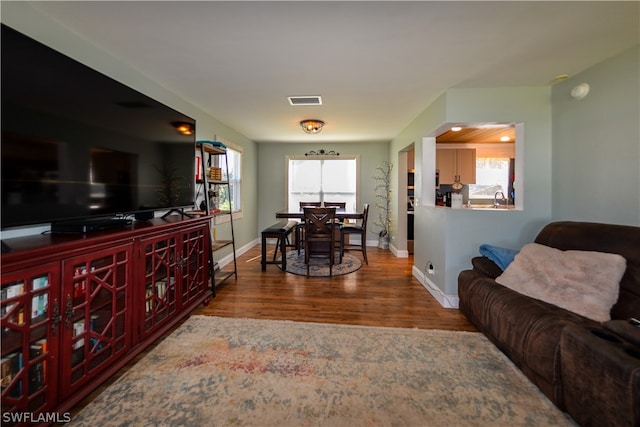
point(76, 144)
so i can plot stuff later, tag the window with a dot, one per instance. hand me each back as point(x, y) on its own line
point(324, 180)
point(234, 174)
point(492, 175)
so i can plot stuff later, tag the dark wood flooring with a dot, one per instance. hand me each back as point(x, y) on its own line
point(382, 293)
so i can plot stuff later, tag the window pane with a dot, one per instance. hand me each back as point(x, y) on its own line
point(234, 175)
point(322, 180)
point(304, 176)
point(492, 175)
point(339, 176)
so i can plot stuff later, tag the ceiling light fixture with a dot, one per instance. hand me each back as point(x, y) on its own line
point(183, 128)
point(456, 128)
point(505, 138)
point(312, 125)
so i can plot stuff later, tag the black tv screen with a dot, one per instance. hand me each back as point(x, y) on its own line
point(77, 144)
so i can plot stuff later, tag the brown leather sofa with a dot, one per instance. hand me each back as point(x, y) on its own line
point(590, 370)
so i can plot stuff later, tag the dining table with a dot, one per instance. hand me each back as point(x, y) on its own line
point(298, 214)
point(341, 214)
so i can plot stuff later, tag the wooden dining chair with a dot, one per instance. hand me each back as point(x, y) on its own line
point(299, 236)
point(320, 235)
point(339, 222)
point(310, 205)
point(360, 227)
point(338, 205)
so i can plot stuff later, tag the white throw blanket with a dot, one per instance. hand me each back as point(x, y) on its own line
point(584, 282)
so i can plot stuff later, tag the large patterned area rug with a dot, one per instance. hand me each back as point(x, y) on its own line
point(319, 267)
point(240, 372)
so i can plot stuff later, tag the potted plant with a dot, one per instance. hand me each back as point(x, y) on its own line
point(383, 203)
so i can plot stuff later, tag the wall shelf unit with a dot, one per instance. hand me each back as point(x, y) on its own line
point(216, 186)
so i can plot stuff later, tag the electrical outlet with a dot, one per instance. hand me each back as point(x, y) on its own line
point(429, 268)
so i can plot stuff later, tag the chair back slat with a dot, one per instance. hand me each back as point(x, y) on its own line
point(310, 205)
point(339, 205)
point(319, 234)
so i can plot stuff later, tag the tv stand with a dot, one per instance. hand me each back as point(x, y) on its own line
point(89, 225)
point(77, 308)
point(179, 211)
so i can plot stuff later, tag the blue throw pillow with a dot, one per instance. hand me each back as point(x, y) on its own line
point(501, 256)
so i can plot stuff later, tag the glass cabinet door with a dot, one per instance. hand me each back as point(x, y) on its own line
point(95, 314)
point(192, 267)
point(29, 309)
point(160, 261)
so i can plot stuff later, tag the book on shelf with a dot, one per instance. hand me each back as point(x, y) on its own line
point(42, 343)
point(7, 308)
point(6, 372)
point(36, 370)
point(10, 367)
point(77, 354)
point(161, 288)
point(17, 315)
point(149, 299)
point(78, 329)
point(80, 287)
point(40, 282)
point(39, 304)
point(92, 327)
point(12, 290)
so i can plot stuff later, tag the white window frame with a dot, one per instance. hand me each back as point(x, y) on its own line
point(488, 199)
point(342, 157)
point(235, 180)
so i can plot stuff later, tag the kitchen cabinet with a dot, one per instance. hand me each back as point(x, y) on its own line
point(452, 162)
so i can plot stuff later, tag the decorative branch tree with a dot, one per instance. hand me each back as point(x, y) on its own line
point(383, 203)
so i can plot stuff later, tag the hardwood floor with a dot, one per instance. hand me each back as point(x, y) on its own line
point(382, 293)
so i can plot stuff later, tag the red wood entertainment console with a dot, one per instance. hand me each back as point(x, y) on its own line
point(76, 308)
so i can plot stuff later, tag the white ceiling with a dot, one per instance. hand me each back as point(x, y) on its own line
point(377, 65)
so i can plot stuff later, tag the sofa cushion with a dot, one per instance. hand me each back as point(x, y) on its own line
point(612, 238)
point(486, 267)
point(583, 282)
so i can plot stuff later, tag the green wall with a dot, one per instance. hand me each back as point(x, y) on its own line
point(596, 144)
point(28, 20)
point(580, 158)
point(449, 238)
point(272, 184)
point(580, 161)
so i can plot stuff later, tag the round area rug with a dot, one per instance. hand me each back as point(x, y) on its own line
point(320, 267)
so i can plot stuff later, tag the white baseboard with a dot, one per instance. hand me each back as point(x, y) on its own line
point(227, 259)
point(447, 301)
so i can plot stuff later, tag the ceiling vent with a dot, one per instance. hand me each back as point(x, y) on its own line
point(305, 100)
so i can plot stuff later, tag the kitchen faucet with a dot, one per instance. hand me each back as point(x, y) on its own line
point(496, 203)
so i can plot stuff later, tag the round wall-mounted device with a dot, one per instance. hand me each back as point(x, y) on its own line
point(580, 91)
